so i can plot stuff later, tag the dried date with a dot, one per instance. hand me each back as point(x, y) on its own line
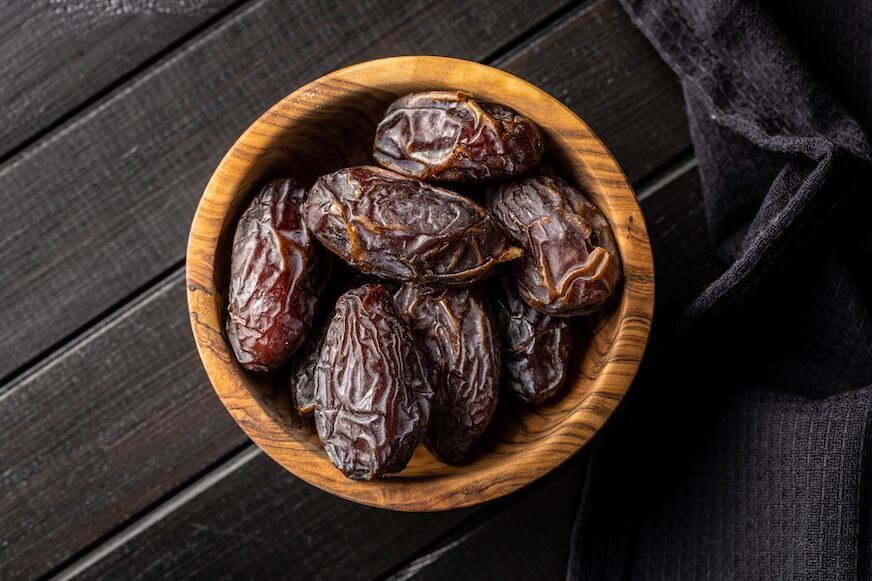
point(372, 391)
point(396, 227)
point(450, 136)
point(571, 264)
point(302, 376)
point(457, 332)
point(536, 347)
point(277, 272)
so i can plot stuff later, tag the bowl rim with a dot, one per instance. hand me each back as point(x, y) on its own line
point(456, 489)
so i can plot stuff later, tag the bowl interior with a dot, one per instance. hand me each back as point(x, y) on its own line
point(330, 124)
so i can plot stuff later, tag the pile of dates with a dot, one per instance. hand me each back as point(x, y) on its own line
point(423, 338)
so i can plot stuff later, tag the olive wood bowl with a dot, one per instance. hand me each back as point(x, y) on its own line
point(329, 124)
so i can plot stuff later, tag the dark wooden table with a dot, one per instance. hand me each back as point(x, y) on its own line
point(116, 458)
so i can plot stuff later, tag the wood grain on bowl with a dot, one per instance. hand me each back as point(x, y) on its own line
point(329, 124)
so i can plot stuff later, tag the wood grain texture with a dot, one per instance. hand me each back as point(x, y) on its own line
point(327, 125)
point(597, 63)
point(112, 211)
point(59, 501)
point(95, 435)
point(527, 539)
point(153, 541)
point(58, 54)
point(280, 528)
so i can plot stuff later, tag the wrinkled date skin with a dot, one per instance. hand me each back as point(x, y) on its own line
point(571, 264)
point(536, 347)
point(277, 271)
point(460, 338)
point(372, 389)
point(449, 136)
point(396, 227)
point(302, 376)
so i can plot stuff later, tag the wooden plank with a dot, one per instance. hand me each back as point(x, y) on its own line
point(530, 538)
point(684, 258)
point(113, 212)
point(599, 65)
point(44, 514)
point(90, 438)
point(527, 540)
point(230, 547)
point(259, 522)
point(103, 470)
point(58, 55)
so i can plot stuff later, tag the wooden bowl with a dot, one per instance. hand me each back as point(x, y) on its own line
point(329, 124)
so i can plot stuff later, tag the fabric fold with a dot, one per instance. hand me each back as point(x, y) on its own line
point(743, 447)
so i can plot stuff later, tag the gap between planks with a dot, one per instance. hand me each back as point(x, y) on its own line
point(535, 32)
point(163, 507)
point(669, 172)
point(460, 534)
point(90, 102)
point(95, 326)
